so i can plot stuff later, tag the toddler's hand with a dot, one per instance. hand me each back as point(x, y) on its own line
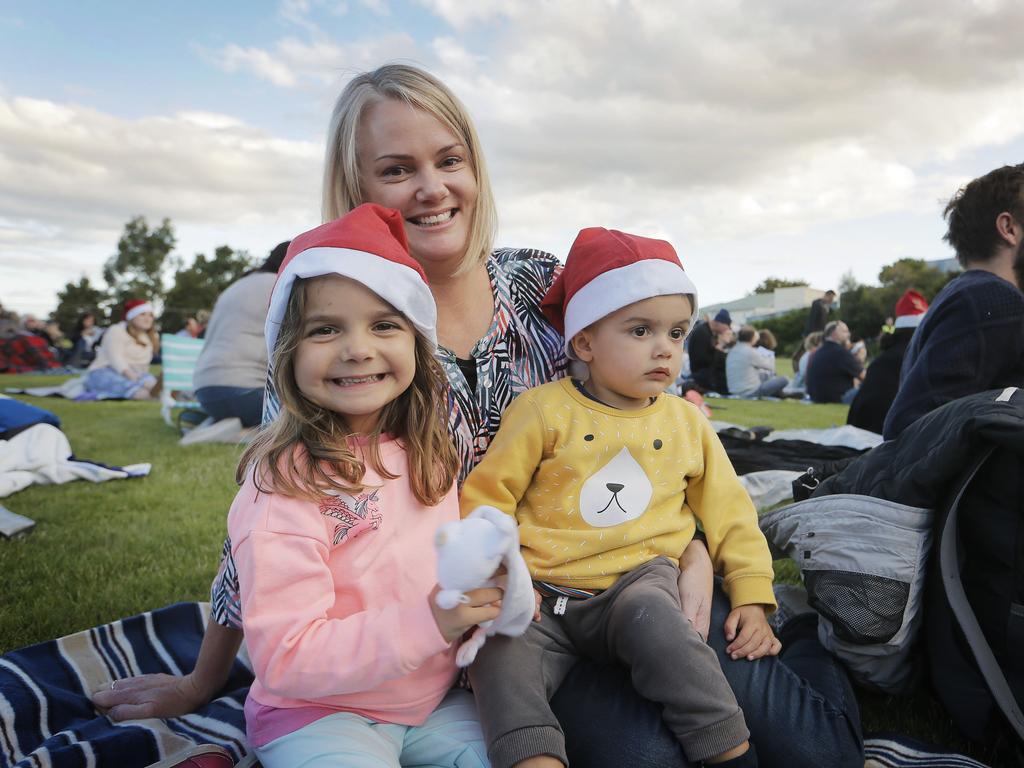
point(755, 638)
point(536, 610)
point(481, 605)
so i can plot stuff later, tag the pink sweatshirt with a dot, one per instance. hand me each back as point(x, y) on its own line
point(335, 603)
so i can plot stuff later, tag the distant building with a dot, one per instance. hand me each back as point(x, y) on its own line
point(758, 306)
point(946, 265)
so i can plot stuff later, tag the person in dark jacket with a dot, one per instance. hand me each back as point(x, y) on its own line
point(817, 316)
point(706, 347)
point(834, 372)
point(882, 379)
point(973, 337)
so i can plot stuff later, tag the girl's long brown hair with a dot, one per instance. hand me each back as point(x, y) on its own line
point(418, 417)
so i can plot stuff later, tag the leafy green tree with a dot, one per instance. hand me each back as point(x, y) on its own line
point(75, 300)
point(864, 308)
point(198, 285)
point(769, 284)
point(135, 271)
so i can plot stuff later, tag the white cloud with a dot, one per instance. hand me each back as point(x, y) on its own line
point(71, 176)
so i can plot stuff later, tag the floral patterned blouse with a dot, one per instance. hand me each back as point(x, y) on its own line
point(519, 351)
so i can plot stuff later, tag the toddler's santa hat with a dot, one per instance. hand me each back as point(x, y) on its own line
point(135, 307)
point(910, 310)
point(607, 270)
point(367, 245)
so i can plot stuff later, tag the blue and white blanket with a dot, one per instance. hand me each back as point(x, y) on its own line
point(47, 717)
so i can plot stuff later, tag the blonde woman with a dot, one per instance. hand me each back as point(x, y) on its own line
point(398, 137)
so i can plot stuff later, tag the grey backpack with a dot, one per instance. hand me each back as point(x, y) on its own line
point(863, 562)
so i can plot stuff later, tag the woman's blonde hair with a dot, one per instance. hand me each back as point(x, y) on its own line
point(304, 452)
point(342, 189)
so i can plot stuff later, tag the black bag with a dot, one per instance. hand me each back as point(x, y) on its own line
point(974, 603)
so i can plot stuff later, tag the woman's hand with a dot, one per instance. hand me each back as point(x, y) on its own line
point(156, 695)
point(129, 374)
point(480, 605)
point(696, 583)
point(755, 637)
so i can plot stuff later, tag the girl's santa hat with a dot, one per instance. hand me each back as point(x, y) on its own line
point(607, 270)
point(367, 245)
point(135, 307)
point(910, 310)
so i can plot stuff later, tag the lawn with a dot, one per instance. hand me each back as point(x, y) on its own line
point(103, 552)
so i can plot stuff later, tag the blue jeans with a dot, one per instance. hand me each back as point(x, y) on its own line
point(227, 402)
point(799, 707)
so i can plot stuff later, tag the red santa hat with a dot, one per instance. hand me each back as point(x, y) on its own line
point(135, 307)
point(607, 270)
point(910, 310)
point(367, 245)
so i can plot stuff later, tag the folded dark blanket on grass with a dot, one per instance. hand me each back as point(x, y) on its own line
point(47, 718)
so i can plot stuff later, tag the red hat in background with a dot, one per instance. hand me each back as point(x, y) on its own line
point(910, 310)
point(135, 307)
point(368, 245)
point(607, 270)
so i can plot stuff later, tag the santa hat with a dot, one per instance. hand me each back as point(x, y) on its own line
point(135, 307)
point(607, 270)
point(910, 310)
point(367, 245)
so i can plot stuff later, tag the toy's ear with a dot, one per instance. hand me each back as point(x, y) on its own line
point(504, 523)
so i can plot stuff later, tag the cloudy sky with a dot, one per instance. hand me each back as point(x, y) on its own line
point(787, 138)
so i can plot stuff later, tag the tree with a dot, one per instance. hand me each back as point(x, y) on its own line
point(769, 284)
point(198, 285)
point(135, 271)
point(77, 299)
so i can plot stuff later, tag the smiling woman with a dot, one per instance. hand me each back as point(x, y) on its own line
point(398, 137)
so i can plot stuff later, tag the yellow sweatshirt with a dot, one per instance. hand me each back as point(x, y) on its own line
point(599, 491)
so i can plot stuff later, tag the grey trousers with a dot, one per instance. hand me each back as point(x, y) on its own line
point(637, 622)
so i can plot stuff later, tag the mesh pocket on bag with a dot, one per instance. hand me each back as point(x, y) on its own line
point(863, 609)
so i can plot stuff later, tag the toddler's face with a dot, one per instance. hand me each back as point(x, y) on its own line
point(636, 352)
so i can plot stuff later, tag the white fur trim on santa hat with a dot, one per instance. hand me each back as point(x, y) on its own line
point(137, 310)
point(908, 321)
point(399, 285)
point(616, 288)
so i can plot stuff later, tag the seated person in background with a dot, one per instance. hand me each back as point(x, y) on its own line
point(766, 345)
point(83, 341)
point(190, 329)
point(121, 367)
point(232, 368)
point(973, 337)
point(203, 321)
point(749, 372)
point(834, 372)
point(707, 352)
point(802, 358)
point(882, 379)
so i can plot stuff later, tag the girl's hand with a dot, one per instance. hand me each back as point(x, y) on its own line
point(129, 374)
point(696, 583)
point(755, 638)
point(481, 605)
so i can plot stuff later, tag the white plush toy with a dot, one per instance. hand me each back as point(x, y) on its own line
point(468, 553)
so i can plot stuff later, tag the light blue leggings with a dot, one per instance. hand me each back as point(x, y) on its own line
point(450, 738)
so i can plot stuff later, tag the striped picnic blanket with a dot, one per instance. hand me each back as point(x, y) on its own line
point(47, 718)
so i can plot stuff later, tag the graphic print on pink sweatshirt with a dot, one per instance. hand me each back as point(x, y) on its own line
point(358, 514)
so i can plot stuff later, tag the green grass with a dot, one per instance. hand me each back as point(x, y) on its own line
point(107, 551)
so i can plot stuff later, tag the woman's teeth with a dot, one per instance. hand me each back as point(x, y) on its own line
point(430, 221)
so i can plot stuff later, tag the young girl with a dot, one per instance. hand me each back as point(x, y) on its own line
point(332, 530)
point(121, 367)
